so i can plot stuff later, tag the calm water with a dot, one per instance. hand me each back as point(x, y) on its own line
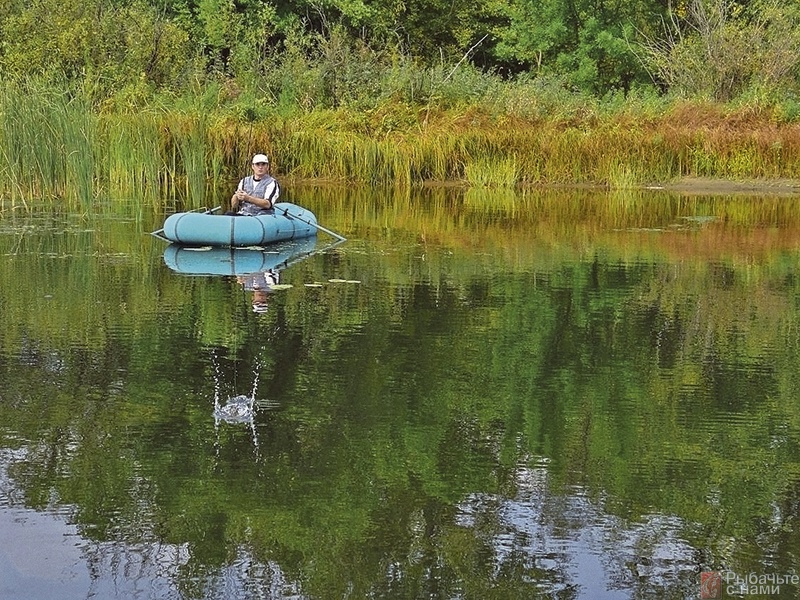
point(562, 395)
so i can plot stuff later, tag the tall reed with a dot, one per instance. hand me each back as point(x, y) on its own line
point(133, 162)
point(190, 136)
point(47, 142)
point(484, 172)
point(55, 147)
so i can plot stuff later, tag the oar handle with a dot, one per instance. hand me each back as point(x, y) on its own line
point(317, 225)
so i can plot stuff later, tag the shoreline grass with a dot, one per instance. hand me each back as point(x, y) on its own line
point(54, 147)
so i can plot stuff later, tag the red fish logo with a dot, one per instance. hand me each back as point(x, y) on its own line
point(711, 584)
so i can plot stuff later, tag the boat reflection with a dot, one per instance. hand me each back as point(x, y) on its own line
point(208, 260)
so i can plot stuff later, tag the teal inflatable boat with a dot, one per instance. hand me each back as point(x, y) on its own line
point(287, 222)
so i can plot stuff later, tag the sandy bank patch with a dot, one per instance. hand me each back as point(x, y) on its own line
point(707, 186)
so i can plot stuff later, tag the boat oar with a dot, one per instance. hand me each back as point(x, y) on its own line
point(317, 225)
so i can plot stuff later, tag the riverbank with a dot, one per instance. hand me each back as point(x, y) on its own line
point(712, 187)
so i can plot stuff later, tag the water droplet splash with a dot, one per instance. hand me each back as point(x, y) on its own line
point(238, 409)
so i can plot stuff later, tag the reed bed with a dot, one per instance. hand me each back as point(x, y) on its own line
point(47, 146)
point(132, 162)
point(55, 147)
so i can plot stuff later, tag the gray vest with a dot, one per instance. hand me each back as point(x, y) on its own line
point(267, 188)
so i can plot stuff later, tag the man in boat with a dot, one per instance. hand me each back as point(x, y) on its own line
point(256, 193)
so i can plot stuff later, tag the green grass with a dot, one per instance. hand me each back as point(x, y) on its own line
point(55, 147)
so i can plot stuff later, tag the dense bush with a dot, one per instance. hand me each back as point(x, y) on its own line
point(299, 53)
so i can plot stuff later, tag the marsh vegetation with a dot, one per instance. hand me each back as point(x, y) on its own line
point(149, 101)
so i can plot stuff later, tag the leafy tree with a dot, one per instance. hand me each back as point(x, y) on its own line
point(326, 51)
point(231, 35)
point(108, 46)
point(587, 41)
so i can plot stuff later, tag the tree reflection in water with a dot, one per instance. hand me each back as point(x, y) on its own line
point(573, 396)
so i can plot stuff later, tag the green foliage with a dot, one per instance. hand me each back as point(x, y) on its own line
point(111, 49)
point(788, 110)
point(720, 49)
point(334, 53)
point(584, 41)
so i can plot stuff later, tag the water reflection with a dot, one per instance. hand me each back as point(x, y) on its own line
point(573, 395)
point(569, 546)
point(208, 260)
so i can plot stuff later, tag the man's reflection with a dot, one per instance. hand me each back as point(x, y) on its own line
point(261, 285)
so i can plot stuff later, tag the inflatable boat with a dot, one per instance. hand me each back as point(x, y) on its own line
point(287, 222)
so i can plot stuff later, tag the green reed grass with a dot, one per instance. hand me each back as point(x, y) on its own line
point(487, 173)
point(28, 140)
point(55, 147)
point(189, 136)
point(132, 161)
point(79, 142)
point(48, 140)
point(622, 176)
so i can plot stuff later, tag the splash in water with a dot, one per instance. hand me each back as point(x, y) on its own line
point(239, 409)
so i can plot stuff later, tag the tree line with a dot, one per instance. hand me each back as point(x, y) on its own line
point(315, 53)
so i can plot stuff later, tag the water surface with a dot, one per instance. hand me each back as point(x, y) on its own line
point(562, 394)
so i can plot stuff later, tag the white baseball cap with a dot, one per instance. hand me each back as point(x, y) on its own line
point(260, 158)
